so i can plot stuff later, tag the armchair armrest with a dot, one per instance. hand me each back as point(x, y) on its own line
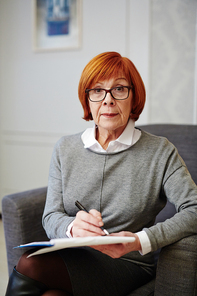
point(177, 269)
point(21, 213)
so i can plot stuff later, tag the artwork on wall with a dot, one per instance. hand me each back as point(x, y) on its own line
point(56, 24)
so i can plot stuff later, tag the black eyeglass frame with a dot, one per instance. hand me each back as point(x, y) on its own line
point(108, 91)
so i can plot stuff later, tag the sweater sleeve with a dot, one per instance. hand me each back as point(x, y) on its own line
point(55, 220)
point(181, 190)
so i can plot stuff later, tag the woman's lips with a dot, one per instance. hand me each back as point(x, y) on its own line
point(109, 115)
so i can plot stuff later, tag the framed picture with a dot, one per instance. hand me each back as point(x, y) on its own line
point(57, 24)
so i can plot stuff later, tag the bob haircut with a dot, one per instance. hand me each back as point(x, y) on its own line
point(108, 65)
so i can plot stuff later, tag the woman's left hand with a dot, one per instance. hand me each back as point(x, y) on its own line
point(118, 250)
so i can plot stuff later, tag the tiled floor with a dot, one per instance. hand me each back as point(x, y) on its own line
point(3, 262)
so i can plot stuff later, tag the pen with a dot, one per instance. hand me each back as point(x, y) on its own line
point(80, 207)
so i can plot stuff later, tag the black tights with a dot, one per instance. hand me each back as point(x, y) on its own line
point(49, 269)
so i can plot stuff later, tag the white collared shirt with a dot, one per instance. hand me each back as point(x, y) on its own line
point(128, 138)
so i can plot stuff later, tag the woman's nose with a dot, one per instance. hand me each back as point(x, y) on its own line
point(109, 100)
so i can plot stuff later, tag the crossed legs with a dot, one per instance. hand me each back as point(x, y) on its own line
point(48, 269)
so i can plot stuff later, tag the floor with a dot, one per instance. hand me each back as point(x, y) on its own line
point(3, 262)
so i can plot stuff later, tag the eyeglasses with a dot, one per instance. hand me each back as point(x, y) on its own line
point(117, 93)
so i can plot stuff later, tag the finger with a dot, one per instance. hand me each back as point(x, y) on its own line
point(90, 218)
point(88, 227)
point(122, 233)
point(79, 232)
point(97, 215)
point(112, 250)
point(82, 227)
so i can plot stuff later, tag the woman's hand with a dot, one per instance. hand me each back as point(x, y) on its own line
point(118, 250)
point(87, 224)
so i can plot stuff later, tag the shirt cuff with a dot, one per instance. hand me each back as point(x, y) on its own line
point(68, 232)
point(145, 242)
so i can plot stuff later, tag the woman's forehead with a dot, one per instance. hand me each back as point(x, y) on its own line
point(116, 79)
point(113, 76)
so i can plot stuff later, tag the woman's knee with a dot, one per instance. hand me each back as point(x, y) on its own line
point(29, 265)
point(48, 268)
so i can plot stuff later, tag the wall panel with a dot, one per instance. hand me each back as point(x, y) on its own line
point(172, 59)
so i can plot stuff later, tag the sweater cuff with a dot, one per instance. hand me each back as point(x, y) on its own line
point(68, 232)
point(145, 242)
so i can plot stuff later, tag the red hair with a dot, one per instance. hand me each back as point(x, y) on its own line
point(108, 65)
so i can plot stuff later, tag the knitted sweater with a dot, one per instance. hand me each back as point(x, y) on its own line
point(129, 188)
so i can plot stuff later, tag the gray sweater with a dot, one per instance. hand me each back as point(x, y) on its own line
point(129, 188)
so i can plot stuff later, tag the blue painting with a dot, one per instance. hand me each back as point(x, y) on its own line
point(58, 17)
point(57, 24)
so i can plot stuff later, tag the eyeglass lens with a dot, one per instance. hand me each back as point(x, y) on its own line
point(118, 93)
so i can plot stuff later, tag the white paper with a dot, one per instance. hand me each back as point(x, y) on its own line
point(61, 243)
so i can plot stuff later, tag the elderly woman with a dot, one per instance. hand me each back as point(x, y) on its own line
point(123, 176)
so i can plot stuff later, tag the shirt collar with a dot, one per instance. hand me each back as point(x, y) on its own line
point(126, 137)
point(124, 141)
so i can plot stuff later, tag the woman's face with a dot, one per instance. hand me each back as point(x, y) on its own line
point(111, 115)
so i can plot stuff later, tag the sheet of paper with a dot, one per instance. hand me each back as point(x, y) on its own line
point(61, 243)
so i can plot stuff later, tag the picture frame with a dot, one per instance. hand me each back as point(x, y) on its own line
point(57, 25)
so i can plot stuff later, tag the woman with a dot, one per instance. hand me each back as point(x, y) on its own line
point(123, 175)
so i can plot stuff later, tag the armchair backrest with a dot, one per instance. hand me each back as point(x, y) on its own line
point(184, 138)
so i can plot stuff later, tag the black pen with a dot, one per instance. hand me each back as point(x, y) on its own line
point(80, 207)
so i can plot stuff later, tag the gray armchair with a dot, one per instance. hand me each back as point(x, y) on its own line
point(22, 214)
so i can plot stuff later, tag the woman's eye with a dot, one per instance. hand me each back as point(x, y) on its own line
point(97, 90)
point(119, 88)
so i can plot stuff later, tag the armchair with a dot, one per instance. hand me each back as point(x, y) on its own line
point(22, 214)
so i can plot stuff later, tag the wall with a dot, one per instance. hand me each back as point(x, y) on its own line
point(173, 57)
point(38, 91)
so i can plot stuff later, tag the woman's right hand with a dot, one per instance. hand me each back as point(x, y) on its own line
point(87, 224)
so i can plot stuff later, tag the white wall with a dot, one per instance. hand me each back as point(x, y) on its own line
point(38, 91)
point(39, 100)
point(172, 58)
